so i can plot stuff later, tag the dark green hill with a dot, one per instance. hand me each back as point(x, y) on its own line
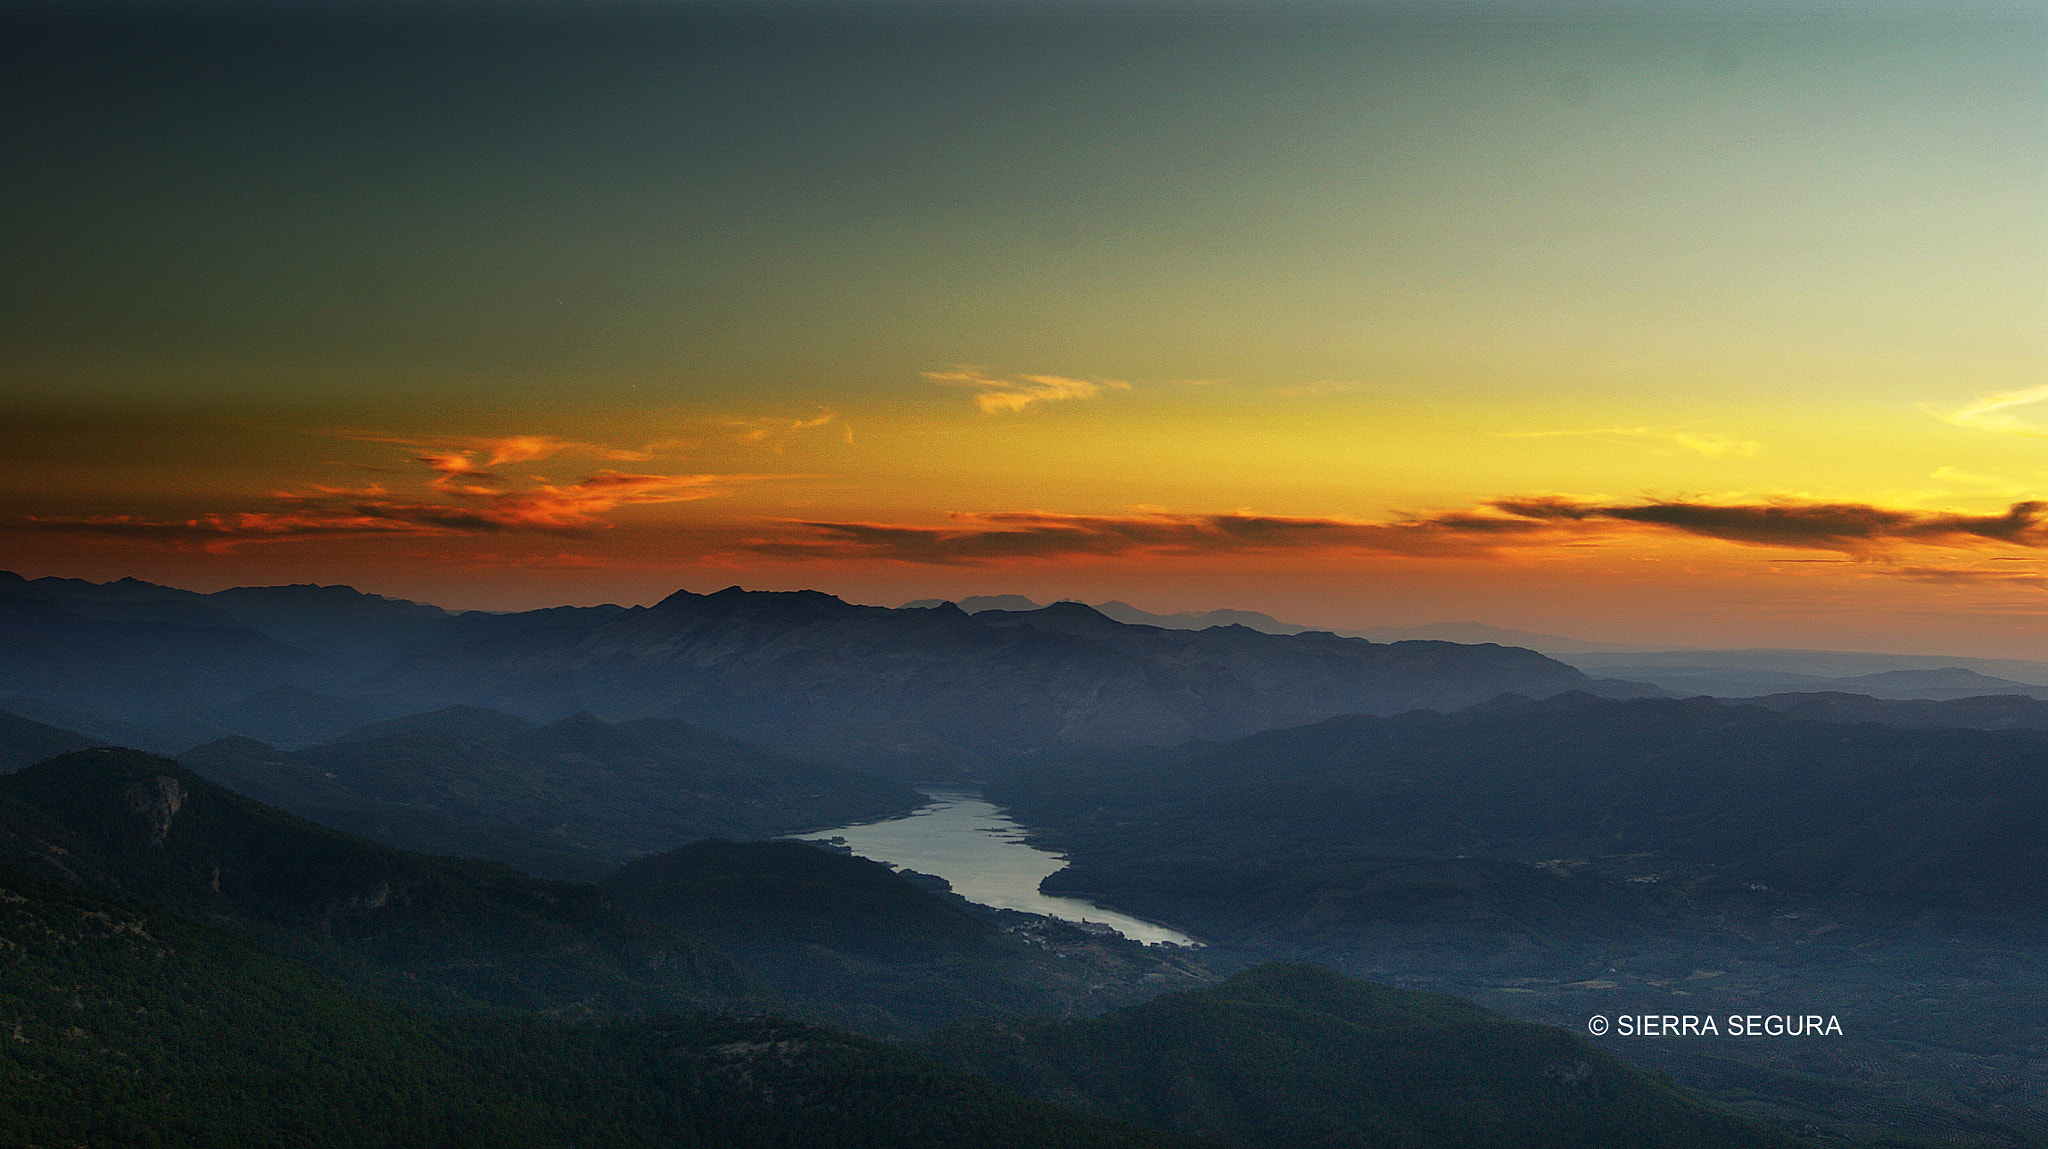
point(779, 894)
point(435, 930)
point(571, 799)
point(131, 1027)
point(869, 949)
point(1288, 1056)
point(1655, 795)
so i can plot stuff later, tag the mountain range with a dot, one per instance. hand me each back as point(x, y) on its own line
point(913, 692)
point(933, 692)
point(520, 820)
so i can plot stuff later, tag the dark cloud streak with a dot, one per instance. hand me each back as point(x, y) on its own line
point(1856, 530)
point(1849, 528)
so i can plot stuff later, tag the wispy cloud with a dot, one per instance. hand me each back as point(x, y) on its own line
point(1993, 412)
point(999, 396)
point(1707, 446)
point(771, 431)
point(1994, 485)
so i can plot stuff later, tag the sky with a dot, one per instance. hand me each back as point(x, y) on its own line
point(1694, 324)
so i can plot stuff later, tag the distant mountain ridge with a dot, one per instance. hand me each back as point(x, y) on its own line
point(931, 692)
point(1750, 672)
point(1469, 633)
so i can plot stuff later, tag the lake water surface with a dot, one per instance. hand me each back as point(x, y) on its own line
point(983, 855)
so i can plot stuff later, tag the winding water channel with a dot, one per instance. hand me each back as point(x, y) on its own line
point(978, 850)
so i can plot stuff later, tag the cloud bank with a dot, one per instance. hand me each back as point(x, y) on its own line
point(1512, 524)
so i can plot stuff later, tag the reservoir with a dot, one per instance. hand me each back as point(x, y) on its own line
point(984, 857)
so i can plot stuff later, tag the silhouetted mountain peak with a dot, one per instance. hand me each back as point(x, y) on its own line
point(1065, 616)
point(938, 606)
point(975, 604)
point(783, 602)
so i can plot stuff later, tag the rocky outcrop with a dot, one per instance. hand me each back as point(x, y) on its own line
point(157, 800)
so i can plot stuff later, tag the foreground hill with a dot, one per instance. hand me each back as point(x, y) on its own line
point(927, 691)
point(1323, 828)
point(571, 799)
point(443, 931)
point(1287, 1055)
point(138, 1027)
point(876, 952)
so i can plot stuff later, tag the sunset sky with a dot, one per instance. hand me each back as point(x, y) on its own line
point(1714, 324)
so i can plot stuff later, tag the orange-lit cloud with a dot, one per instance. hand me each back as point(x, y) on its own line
point(998, 396)
point(325, 512)
point(462, 497)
